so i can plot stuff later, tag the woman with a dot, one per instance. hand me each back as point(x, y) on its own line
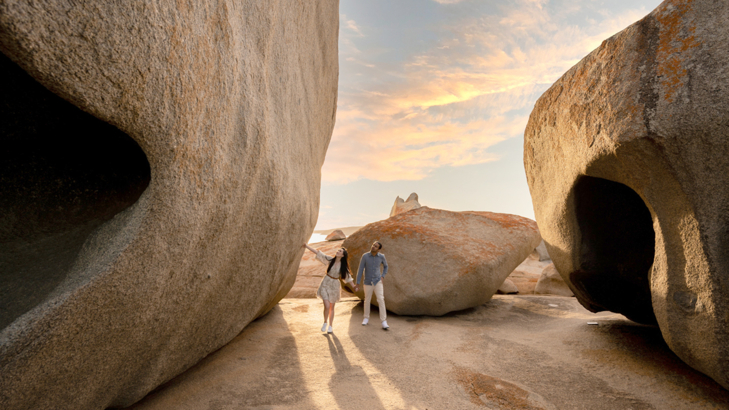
point(329, 290)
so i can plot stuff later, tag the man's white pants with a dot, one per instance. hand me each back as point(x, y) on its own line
point(380, 295)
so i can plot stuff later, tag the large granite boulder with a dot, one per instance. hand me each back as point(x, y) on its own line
point(401, 205)
point(442, 261)
point(160, 170)
point(627, 160)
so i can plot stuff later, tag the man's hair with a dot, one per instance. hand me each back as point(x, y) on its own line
point(378, 244)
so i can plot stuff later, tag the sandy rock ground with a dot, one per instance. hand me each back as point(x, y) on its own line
point(514, 352)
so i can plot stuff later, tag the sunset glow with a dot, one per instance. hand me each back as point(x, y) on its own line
point(433, 84)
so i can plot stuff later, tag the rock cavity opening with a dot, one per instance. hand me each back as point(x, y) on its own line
point(63, 173)
point(617, 249)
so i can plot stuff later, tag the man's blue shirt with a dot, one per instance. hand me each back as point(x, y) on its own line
point(371, 266)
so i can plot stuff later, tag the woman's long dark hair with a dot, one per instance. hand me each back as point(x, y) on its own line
point(343, 265)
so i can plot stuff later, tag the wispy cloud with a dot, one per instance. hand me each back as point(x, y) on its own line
point(473, 87)
point(351, 25)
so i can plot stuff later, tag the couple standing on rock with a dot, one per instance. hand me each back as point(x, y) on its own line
point(338, 269)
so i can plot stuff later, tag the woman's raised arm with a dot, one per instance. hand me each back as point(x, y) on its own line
point(310, 248)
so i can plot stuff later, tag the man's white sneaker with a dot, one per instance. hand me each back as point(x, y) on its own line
point(384, 325)
point(365, 321)
point(330, 330)
point(324, 327)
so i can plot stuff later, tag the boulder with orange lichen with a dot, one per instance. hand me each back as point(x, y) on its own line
point(627, 160)
point(442, 261)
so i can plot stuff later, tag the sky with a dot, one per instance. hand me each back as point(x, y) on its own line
point(434, 97)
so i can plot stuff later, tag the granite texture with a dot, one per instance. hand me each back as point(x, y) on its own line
point(627, 160)
point(443, 261)
point(196, 132)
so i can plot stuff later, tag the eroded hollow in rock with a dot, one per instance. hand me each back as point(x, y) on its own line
point(617, 249)
point(63, 173)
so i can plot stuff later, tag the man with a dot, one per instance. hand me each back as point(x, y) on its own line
point(370, 264)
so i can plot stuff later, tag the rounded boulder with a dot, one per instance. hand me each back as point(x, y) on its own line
point(442, 261)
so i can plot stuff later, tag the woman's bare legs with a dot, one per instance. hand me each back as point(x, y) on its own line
point(331, 313)
point(326, 309)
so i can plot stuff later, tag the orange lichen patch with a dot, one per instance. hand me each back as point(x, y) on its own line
point(489, 391)
point(506, 221)
point(475, 239)
point(672, 46)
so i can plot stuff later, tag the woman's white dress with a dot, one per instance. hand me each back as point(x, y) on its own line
point(329, 288)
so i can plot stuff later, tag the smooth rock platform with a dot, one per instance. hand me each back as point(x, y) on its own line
point(514, 352)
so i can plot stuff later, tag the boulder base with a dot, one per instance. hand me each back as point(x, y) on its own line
point(508, 288)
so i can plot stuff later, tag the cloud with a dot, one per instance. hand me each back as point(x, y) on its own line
point(350, 24)
point(448, 103)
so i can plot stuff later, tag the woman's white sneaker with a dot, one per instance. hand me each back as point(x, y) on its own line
point(384, 325)
point(324, 327)
point(330, 330)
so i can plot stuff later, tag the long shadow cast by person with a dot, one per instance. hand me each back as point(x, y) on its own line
point(350, 384)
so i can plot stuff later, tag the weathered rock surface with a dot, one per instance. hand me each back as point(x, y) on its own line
point(542, 252)
point(336, 235)
point(311, 271)
point(551, 283)
point(507, 288)
point(627, 160)
point(401, 206)
point(442, 261)
point(512, 353)
point(154, 201)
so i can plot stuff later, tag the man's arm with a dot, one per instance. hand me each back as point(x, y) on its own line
point(384, 265)
point(361, 268)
